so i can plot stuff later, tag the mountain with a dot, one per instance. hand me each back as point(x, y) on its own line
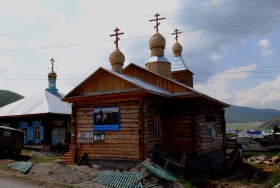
point(271, 124)
point(7, 97)
point(240, 114)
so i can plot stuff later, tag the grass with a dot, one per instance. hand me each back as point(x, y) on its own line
point(274, 179)
point(244, 126)
point(248, 154)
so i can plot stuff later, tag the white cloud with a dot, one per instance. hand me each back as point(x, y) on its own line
point(266, 94)
point(220, 85)
point(266, 47)
point(216, 57)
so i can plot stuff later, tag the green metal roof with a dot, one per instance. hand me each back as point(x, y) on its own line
point(120, 179)
point(160, 172)
point(21, 166)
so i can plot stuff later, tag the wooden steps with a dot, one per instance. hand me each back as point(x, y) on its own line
point(69, 156)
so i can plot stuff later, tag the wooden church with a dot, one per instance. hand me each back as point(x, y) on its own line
point(130, 112)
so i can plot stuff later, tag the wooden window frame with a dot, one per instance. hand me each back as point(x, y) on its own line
point(36, 133)
point(211, 126)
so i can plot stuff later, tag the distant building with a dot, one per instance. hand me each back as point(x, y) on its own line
point(129, 113)
point(255, 134)
point(43, 117)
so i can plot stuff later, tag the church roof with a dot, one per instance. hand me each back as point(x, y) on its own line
point(137, 82)
point(40, 103)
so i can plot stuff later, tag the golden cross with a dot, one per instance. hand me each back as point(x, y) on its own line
point(117, 38)
point(177, 34)
point(52, 60)
point(157, 19)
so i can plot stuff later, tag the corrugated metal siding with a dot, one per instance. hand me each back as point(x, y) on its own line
point(21, 166)
point(120, 179)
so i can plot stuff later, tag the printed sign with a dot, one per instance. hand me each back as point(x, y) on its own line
point(106, 119)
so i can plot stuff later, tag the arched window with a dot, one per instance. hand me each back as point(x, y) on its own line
point(157, 128)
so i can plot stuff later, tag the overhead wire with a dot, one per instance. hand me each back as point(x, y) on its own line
point(220, 26)
point(123, 18)
point(247, 22)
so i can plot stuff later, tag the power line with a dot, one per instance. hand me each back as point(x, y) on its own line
point(221, 26)
point(212, 6)
point(124, 18)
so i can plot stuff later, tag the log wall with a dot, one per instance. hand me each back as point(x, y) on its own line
point(123, 144)
point(155, 108)
point(205, 142)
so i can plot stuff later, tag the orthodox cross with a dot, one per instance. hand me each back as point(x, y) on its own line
point(157, 19)
point(117, 38)
point(52, 60)
point(176, 34)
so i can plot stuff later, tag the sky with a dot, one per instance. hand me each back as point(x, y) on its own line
point(231, 46)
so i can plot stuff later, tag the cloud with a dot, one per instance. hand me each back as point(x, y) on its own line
point(216, 57)
point(266, 94)
point(221, 85)
point(266, 47)
point(220, 29)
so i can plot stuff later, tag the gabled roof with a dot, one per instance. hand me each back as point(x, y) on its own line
point(135, 83)
point(40, 103)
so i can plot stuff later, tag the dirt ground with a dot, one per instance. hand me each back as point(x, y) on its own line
point(56, 174)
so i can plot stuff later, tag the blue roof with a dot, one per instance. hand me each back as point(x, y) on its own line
point(254, 132)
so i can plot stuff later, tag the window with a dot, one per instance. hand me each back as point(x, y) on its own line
point(7, 133)
point(211, 126)
point(25, 132)
point(37, 133)
point(157, 128)
point(5, 124)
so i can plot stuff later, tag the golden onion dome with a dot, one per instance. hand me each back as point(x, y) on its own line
point(157, 40)
point(177, 49)
point(52, 74)
point(117, 57)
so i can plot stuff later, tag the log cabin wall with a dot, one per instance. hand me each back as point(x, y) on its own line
point(123, 144)
point(156, 125)
point(211, 129)
point(181, 127)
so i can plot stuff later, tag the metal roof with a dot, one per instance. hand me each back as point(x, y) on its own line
point(178, 63)
point(140, 83)
point(40, 103)
point(120, 179)
point(158, 58)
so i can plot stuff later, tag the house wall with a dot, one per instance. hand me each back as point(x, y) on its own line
point(122, 144)
point(184, 127)
point(205, 142)
point(46, 121)
point(155, 108)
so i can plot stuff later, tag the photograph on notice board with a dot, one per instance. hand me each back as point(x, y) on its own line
point(106, 119)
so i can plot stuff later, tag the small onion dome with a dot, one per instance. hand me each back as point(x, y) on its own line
point(157, 40)
point(117, 57)
point(177, 49)
point(52, 74)
point(157, 45)
point(117, 60)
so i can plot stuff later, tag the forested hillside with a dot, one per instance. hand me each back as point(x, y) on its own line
point(239, 114)
point(7, 97)
point(275, 122)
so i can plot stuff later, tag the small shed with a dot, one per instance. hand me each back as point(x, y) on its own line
point(43, 117)
point(129, 113)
